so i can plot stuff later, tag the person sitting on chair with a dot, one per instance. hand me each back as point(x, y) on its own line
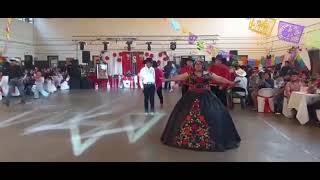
point(294, 85)
point(241, 81)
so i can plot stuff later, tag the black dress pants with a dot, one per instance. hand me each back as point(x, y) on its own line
point(149, 91)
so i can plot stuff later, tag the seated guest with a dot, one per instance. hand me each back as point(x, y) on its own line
point(285, 69)
point(38, 88)
point(287, 78)
point(49, 85)
point(254, 87)
point(241, 81)
point(29, 82)
point(65, 82)
point(266, 81)
point(294, 85)
point(57, 78)
point(312, 110)
point(4, 86)
point(279, 96)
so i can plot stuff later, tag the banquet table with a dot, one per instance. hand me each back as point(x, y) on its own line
point(299, 101)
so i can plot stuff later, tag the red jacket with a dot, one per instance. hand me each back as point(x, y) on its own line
point(159, 75)
point(220, 70)
point(185, 69)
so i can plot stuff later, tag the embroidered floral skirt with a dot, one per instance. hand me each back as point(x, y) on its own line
point(199, 121)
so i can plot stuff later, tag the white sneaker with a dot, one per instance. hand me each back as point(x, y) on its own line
point(146, 114)
point(171, 90)
point(152, 113)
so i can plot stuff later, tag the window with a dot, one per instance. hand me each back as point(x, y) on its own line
point(28, 20)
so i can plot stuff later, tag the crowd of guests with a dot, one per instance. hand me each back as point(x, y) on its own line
point(248, 81)
point(283, 80)
point(30, 82)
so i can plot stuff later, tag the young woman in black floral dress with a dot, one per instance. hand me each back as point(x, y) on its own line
point(199, 121)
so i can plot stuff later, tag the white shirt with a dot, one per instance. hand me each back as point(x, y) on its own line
point(243, 84)
point(147, 75)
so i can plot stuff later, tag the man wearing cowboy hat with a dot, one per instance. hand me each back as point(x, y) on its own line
point(242, 81)
point(15, 80)
point(148, 80)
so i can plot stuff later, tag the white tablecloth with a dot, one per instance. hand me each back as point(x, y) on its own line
point(299, 101)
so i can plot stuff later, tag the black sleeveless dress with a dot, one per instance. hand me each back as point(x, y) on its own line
point(199, 121)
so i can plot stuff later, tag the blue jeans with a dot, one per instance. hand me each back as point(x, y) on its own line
point(278, 103)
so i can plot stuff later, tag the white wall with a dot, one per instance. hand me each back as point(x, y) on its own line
point(22, 38)
point(54, 35)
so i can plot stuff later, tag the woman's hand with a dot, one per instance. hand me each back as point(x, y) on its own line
point(231, 84)
point(164, 79)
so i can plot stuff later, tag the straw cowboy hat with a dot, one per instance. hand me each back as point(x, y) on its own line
point(241, 72)
point(14, 59)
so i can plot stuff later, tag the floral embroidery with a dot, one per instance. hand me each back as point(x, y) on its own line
point(200, 82)
point(195, 130)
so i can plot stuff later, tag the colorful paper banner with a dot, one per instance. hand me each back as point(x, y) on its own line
point(262, 26)
point(200, 45)
point(312, 39)
point(192, 38)
point(290, 32)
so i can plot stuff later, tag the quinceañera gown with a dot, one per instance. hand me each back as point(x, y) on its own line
point(199, 121)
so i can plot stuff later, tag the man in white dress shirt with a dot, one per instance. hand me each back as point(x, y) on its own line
point(147, 76)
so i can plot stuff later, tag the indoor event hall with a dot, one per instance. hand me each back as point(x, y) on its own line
point(160, 89)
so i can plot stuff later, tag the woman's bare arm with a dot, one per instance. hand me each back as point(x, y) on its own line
point(181, 77)
point(222, 80)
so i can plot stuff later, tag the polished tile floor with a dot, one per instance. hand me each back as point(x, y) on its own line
point(85, 125)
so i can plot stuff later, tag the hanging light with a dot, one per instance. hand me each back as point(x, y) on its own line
point(149, 45)
point(81, 44)
point(105, 46)
point(129, 45)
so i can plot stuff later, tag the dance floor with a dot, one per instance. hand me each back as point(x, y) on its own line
point(85, 125)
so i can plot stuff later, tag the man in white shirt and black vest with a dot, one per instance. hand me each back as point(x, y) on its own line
point(147, 82)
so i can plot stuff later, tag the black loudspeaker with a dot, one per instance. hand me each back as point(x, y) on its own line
point(86, 57)
point(28, 61)
point(173, 46)
point(234, 52)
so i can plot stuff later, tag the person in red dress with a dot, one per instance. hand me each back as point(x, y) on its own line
point(220, 69)
point(186, 69)
point(159, 77)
